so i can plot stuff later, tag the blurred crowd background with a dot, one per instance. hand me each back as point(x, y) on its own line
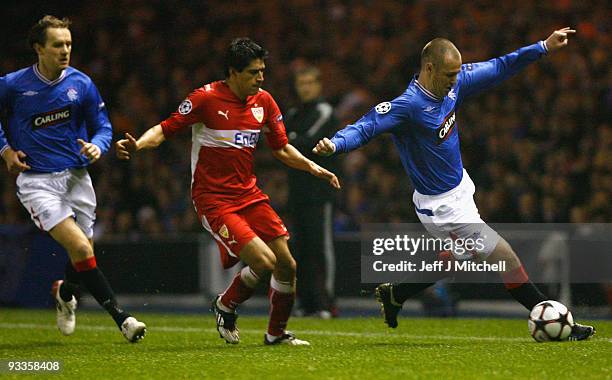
point(538, 147)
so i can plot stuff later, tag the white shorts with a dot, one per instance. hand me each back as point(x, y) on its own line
point(454, 215)
point(50, 198)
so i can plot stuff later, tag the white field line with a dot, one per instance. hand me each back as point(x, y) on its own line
point(391, 334)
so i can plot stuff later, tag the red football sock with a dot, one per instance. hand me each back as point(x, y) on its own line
point(241, 289)
point(282, 297)
point(521, 289)
point(515, 278)
point(85, 265)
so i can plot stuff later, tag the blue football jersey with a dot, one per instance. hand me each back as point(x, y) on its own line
point(45, 118)
point(424, 127)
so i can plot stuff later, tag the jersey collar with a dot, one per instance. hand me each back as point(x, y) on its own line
point(45, 80)
point(425, 91)
point(226, 88)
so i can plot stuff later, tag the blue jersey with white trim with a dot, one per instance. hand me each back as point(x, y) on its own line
point(424, 127)
point(45, 118)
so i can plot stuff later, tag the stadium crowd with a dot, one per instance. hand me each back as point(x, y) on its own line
point(539, 147)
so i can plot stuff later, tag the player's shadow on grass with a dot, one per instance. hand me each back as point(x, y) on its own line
point(416, 344)
point(212, 347)
point(35, 345)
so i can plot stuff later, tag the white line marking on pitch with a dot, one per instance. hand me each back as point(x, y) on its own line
point(305, 332)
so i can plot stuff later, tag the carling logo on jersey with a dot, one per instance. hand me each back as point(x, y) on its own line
point(258, 113)
point(48, 119)
point(446, 128)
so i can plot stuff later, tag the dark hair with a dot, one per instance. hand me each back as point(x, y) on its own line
point(241, 52)
point(38, 32)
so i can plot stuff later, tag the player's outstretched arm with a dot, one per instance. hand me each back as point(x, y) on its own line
point(558, 38)
point(479, 76)
point(149, 140)
point(291, 157)
point(324, 147)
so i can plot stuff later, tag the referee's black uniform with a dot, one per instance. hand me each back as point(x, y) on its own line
point(311, 204)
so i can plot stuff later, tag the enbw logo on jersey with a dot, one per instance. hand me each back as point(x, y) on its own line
point(446, 128)
point(47, 119)
point(246, 139)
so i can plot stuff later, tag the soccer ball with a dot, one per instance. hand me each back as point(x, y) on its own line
point(550, 321)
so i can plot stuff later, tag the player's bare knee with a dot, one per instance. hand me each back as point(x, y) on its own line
point(263, 265)
point(287, 265)
point(512, 261)
point(503, 251)
point(269, 263)
point(80, 251)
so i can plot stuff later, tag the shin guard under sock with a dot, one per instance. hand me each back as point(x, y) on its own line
point(524, 291)
point(282, 298)
point(241, 289)
point(70, 286)
point(97, 284)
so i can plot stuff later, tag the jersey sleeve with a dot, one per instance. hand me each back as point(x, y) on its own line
point(4, 90)
point(188, 112)
point(382, 118)
point(476, 77)
point(96, 117)
point(274, 130)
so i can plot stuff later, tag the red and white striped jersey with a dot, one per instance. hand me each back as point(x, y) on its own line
point(225, 131)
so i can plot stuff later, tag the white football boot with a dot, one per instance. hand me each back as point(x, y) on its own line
point(66, 319)
point(226, 323)
point(133, 330)
point(288, 338)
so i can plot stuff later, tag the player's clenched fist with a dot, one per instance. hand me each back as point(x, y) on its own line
point(89, 150)
point(126, 146)
point(324, 147)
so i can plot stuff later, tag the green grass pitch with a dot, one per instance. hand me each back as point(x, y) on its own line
point(187, 346)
